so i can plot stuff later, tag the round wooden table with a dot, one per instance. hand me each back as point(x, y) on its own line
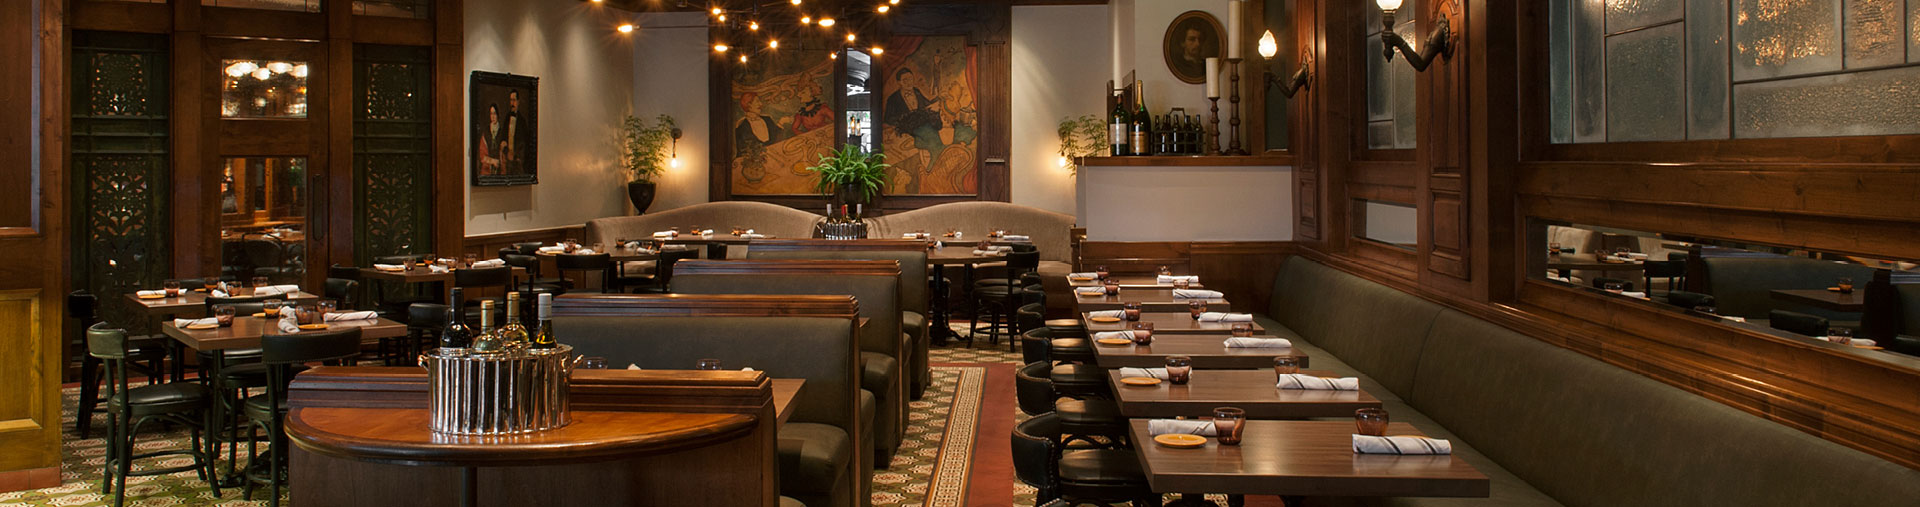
point(940, 258)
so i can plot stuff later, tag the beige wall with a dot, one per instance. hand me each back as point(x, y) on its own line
point(1139, 27)
point(586, 74)
point(1059, 68)
point(1187, 203)
point(670, 76)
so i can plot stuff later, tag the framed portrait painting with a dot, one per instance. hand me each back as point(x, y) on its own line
point(504, 111)
point(1191, 39)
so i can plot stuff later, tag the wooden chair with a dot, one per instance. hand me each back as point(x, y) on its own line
point(1075, 476)
point(182, 403)
point(286, 355)
point(145, 355)
point(587, 265)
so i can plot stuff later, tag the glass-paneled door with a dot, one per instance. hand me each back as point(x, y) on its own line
point(269, 166)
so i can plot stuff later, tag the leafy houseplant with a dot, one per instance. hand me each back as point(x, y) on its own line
point(1083, 137)
point(850, 176)
point(641, 147)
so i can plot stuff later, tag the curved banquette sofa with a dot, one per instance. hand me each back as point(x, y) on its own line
point(771, 219)
point(1551, 426)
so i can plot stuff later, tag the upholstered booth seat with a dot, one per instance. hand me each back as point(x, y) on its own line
point(771, 219)
point(1743, 286)
point(913, 292)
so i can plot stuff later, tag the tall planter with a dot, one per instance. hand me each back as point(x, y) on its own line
point(641, 193)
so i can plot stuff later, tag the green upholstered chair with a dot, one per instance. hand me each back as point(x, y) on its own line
point(822, 461)
point(1742, 286)
point(914, 293)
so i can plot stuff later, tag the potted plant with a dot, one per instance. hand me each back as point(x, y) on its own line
point(851, 175)
point(640, 153)
point(1081, 138)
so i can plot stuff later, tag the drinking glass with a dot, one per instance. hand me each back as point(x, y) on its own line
point(1370, 421)
point(1846, 285)
point(593, 363)
point(1706, 310)
point(210, 283)
point(1142, 333)
point(324, 307)
point(569, 245)
point(271, 307)
point(1615, 287)
point(1228, 424)
point(1840, 335)
point(1241, 329)
point(1179, 369)
point(260, 281)
point(737, 230)
point(172, 287)
point(1132, 309)
point(1181, 284)
point(1112, 286)
point(1553, 248)
point(224, 315)
point(1285, 365)
point(707, 364)
point(984, 246)
point(1195, 308)
point(1101, 271)
point(470, 259)
point(304, 314)
point(1165, 271)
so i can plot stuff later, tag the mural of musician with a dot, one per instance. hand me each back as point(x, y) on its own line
point(782, 122)
point(929, 125)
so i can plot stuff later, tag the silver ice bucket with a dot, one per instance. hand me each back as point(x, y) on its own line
point(520, 391)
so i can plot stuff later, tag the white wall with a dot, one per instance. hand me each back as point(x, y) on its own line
point(1187, 203)
point(1053, 78)
point(1140, 28)
point(586, 78)
point(670, 76)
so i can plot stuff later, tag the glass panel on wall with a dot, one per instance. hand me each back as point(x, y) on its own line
point(274, 5)
point(263, 89)
point(1714, 69)
point(1391, 105)
point(859, 103)
point(1286, 60)
point(1392, 223)
point(1855, 303)
point(392, 152)
point(419, 9)
point(119, 182)
point(263, 218)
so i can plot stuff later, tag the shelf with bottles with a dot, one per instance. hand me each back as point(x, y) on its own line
point(1278, 159)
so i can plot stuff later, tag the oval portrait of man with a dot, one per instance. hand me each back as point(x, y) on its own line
point(1192, 38)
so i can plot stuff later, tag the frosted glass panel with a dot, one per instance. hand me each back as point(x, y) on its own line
point(1405, 105)
point(1379, 91)
point(1391, 103)
point(1393, 223)
point(1645, 87)
point(1707, 83)
point(1380, 134)
point(1774, 38)
point(1589, 72)
point(1625, 15)
point(1874, 37)
point(1882, 102)
point(1560, 70)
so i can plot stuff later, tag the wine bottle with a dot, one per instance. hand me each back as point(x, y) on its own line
point(513, 334)
point(543, 339)
point(487, 341)
point(1138, 139)
point(1117, 127)
point(456, 336)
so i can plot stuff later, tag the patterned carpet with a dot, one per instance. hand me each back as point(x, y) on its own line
point(935, 466)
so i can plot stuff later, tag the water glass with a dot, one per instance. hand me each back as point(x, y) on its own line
point(1370, 421)
point(1840, 335)
point(1707, 310)
point(1846, 285)
point(304, 314)
point(1112, 286)
point(172, 287)
point(210, 283)
point(1132, 309)
point(1165, 271)
point(1181, 284)
point(1195, 308)
point(324, 307)
point(1553, 248)
point(224, 315)
point(470, 259)
point(271, 307)
point(707, 364)
point(1241, 329)
point(593, 363)
point(1228, 424)
point(569, 245)
point(1101, 271)
point(1142, 333)
point(1615, 287)
point(1179, 369)
point(260, 281)
point(1285, 365)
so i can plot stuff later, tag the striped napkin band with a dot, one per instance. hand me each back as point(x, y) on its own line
point(1303, 381)
point(1411, 445)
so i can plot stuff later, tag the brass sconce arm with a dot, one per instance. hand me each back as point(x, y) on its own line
point(1439, 44)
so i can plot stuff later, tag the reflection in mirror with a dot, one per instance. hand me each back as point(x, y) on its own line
point(272, 5)
point(859, 120)
point(1392, 223)
point(263, 218)
point(1825, 298)
point(263, 89)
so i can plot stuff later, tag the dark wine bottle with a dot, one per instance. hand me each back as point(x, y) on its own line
point(1137, 140)
point(456, 336)
point(1118, 124)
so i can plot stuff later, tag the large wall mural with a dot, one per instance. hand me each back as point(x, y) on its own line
point(783, 120)
point(929, 124)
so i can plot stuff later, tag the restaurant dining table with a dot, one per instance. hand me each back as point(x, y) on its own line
point(1150, 299)
point(1208, 351)
point(193, 303)
point(716, 244)
point(784, 392)
point(1168, 323)
point(246, 331)
point(1293, 459)
point(1823, 298)
point(1254, 391)
point(627, 254)
point(1588, 262)
point(941, 304)
point(419, 275)
point(1130, 282)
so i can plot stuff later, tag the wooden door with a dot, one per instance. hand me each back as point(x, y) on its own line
point(32, 179)
point(266, 168)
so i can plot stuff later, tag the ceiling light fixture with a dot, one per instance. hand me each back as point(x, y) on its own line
point(720, 48)
point(883, 9)
point(876, 51)
point(1439, 43)
point(624, 28)
point(773, 43)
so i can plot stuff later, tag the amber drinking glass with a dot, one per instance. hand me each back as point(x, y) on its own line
point(1242, 329)
point(1228, 424)
point(172, 287)
point(304, 314)
point(1165, 271)
point(1285, 365)
point(1195, 308)
point(1181, 283)
point(1179, 369)
point(1553, 249)
point(708, 364)
point(1132, 309)
point(210, 283)
point(1840, 335)
point(224, 315)
point(1614, 287)
point(260, 281)
point(1846, 285)
point(1142, 333)
point(1370, 421)
point(271, 307)
point(1101, 271)
point(324, 307)
point(1112, 286)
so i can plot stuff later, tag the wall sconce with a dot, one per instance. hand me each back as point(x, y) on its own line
point(673, 159)
point(1439, 44)
point(1293, 84)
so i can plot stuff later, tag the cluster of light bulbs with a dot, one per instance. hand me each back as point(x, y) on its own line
point(773, 43)
point(264, 72)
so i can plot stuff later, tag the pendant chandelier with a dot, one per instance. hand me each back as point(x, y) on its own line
point(742, 29)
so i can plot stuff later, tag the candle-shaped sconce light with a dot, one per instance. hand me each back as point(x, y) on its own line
point(1270, 47)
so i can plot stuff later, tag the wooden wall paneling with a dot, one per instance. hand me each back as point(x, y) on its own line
point(121, 17)
point(1136, 257)
point(1447, 243)
point(995, 100)
point(196, 225)
point(262, 23)
point(449, 125)
point(393, 31)
point(1848, 190)
point(1872, 237)
point(1243, 270)
point(338, 175)
point(32, 247)
point(1303, 110)
point(720, 129)
point(488, 245)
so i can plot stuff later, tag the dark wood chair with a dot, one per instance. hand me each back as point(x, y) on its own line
point(145, 355)
point(285, 355)
point(662, 276)
point(1075, 476)
point(599, 264)
point(999, 303)
point(181, 403)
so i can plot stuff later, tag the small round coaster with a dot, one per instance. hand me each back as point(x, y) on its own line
point(1114, 341)
point(1140, 381)
point(313, 327)
point(1180, 440)
point(201, 327)
point(1104, 320)
point(152, 296)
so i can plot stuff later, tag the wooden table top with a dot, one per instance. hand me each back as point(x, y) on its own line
point(716, 238)
point(1831, 300)
point(246, 331)
point(784, 390)
point(629, 254)
point(1132, 282)
point(1250, 390)
point(418, 275)
point(192, 303)
point(1303, 458)
point(402, 436)
point(1588, 262)
point(1169, 323)
point(960, 254)
point(1150, 299)
point(1208, 351)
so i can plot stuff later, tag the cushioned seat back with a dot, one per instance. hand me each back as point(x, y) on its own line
point(1909, 307)
point(1741, 286)
point(1050, 231)
point(878, 297)
point(1589, 433)
point(913, 268)
point(771, 219)
point(1376, 329)
point(811, 348)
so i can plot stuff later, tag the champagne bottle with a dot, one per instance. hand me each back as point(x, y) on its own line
point(456, 336)
point(488, 340)
point(513, 334)
point(1117, 125)
point(1138, 140)
point(543, 339)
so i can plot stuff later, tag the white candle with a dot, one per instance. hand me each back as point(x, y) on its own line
point(1213, 78)
point(1234, 16)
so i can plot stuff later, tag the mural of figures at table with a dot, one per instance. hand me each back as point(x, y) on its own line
point(929, 125)
point(783, 120)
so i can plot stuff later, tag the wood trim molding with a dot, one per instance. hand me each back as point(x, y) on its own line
point(485, 245)
point(1262, 160)
point(835, 267)
point(1243, 270)
point(705, 305)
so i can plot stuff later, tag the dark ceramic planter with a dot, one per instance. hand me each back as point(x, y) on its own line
point(641, 193)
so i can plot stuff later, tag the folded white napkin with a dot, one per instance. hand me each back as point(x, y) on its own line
point(1303, 381)
point(1636, 256)
point(1159, 373)
point(340, 316)
point(704, 232)
point(1225, 317)
point(150, 293)
point(217, 293)
point(1200, 427)
point(910, 236)
point(979, 252)
point(1124, 335)
point(1176, 278)
point(1734, 319)
point(1369, 444)
point(632, 366)
point(666, 234)
point(1017, 238)
point(1197, 294)
point(436, 268)
point(1560, 279)
point(275, 290)
point(1257, 343)
point(553, 249)
point(489, 263)
point(1617, 258)
point(390, 267)
point(195, 322)
point(584, 251)
point(1083, 275)
point(288, 324)
point(753, 235)
point(1857, 342)
point(1090, 291)
point(1632, 294)
point(958, 234)
point(1118, 314)
point(631, 245)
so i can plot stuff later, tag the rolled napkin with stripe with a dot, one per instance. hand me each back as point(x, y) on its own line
point(1258, 343)
point(1108, 335)
point(553, 249)
point(1312, 383)
point(288, 323)
point(217, 293)
point(343, 316)
point(1408, 445)
point(275, 290)
point(752, 235)
point(150, 293)
point(1225, 317)
point(1616, 258)
point(1197, 294)
point(489, 263)
point(1118, 314)
point(666, 234)
point(1177, 278)
point(1636, 256)
point(1857, 342)
point(436, 268)
point(706, 232)
point(1092, 292)
point(1083, 275)
point(209, 321)
point(1632, 294)
point(584, 251)
point(1159, 373)
point(1017, 238)
point(390, 267)
point(1201, 427)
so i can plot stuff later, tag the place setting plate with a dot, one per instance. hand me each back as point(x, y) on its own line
point(1140, 381)
point(1180, 440)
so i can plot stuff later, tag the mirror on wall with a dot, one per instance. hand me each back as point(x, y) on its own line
point(1861, 304)
point(1390, 223)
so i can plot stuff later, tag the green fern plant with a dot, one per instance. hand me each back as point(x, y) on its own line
point(1081, 137)
point(643, 147)
point(851, 166)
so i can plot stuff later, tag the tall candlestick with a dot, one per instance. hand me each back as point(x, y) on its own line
point(1235, 17)
point(1213, 78)
point(1213, 130)
point(1233, 140)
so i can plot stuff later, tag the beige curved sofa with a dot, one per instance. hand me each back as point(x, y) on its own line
point(771, 219)
point(1050, 231)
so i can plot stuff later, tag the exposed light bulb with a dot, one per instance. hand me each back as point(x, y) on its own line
point(826, 22)
point(806, 20)
point(851, 37)
point(262, 73)
point(674, 162)
point(1062, 161)
point(753, 25)
point(1268, 47)
point(833, 56)
point(883, 9)
point(716, 11)
point(876, 50)
point(893, 2)
point(300, 71)
point(723, 18)
point(795, 2)
point(721, 48)
point(279, 67)
point(241, 69)
point(743, 58)
point(625, 28)
point(773, 44)
point(1389, 5)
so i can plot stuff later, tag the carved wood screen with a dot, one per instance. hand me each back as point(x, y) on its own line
point(392, 151)
point(119, 158)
